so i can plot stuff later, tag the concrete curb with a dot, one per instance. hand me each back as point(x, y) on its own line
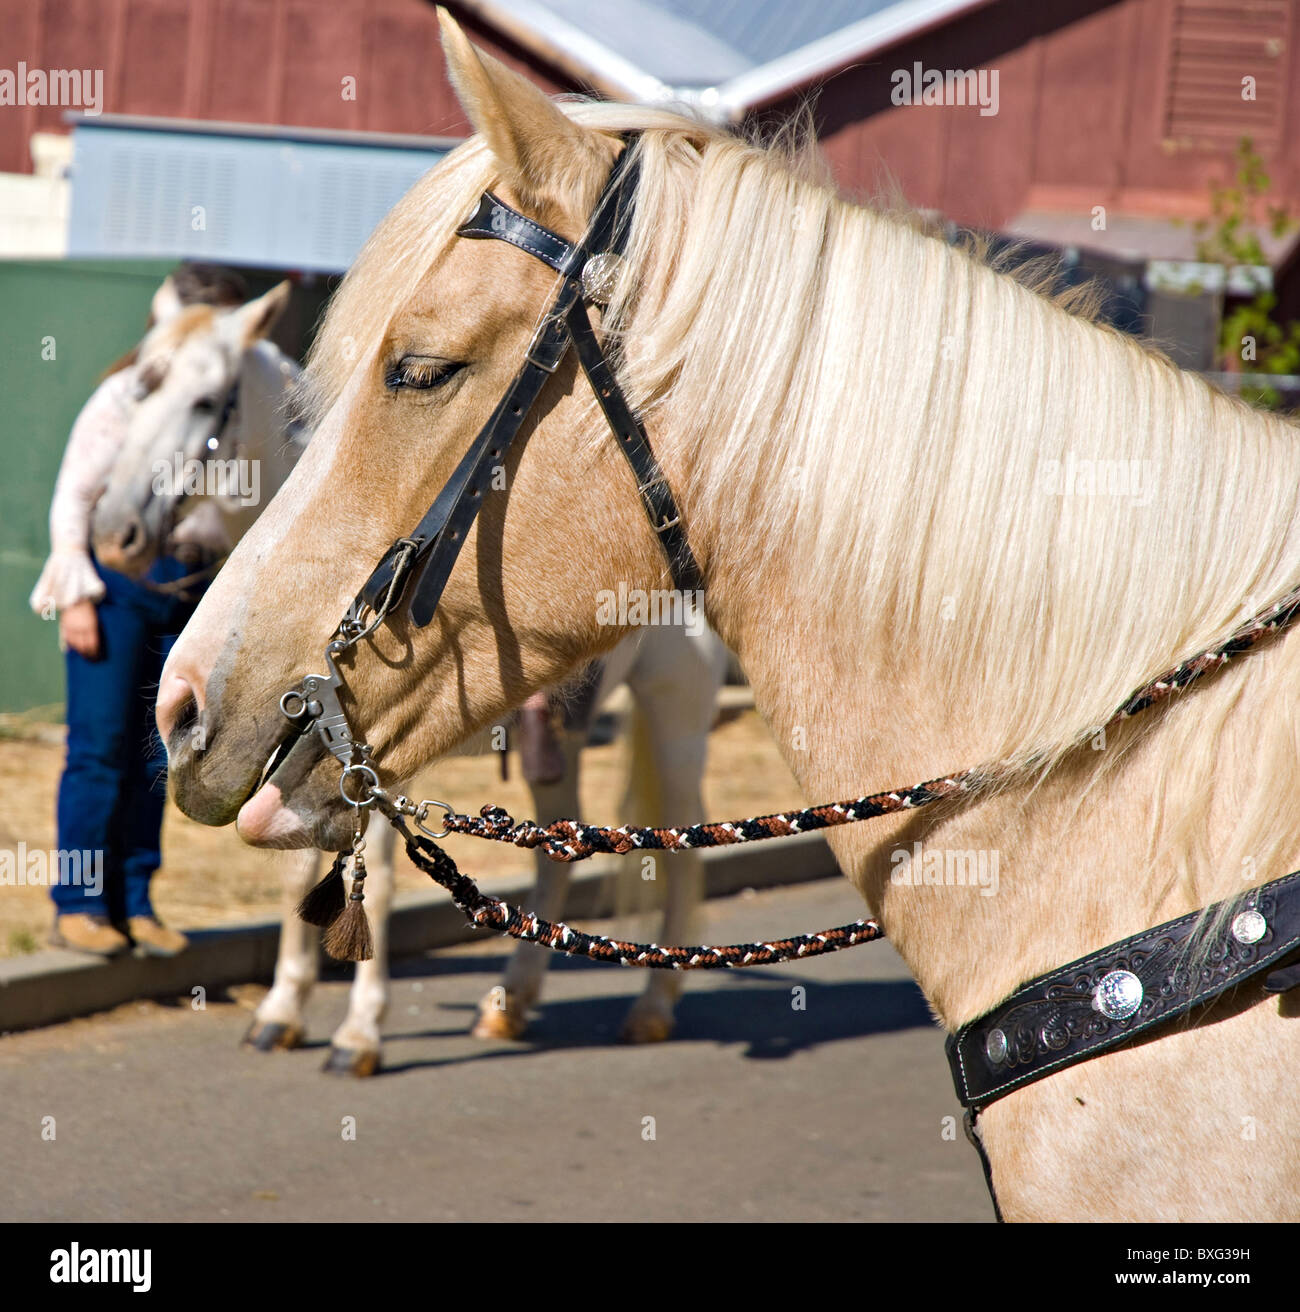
point(45, 987)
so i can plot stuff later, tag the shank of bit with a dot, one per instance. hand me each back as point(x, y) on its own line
point(318, 699)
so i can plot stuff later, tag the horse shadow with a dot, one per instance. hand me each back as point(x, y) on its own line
point(771, 1015)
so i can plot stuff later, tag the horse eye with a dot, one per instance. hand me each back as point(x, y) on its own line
point(420, 373)
point(205, 405)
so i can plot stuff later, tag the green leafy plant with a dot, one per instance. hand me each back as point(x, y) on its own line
point(22, 942)
point(1231, 236)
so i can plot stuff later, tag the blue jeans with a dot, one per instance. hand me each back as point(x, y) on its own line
point(114, 783)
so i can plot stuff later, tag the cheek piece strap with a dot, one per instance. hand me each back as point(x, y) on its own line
point(429, 552)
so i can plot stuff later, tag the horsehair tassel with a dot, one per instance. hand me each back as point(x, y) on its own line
point(348, 937)
point(324, 904)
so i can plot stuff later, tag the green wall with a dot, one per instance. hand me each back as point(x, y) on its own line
point(94, 311)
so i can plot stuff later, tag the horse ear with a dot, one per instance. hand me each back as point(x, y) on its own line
point(252, 322)
point(166, 304)
point(546, 158)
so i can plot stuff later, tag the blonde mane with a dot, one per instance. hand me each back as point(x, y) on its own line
point(901, 415)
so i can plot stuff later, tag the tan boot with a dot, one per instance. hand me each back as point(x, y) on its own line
point(153, 939)
point(86, 933)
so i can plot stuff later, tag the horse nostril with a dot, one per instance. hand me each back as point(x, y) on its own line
point(132, 538)
point(178, 707)
point(185, 715)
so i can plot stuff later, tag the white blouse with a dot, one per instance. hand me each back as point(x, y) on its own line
point(97, 436)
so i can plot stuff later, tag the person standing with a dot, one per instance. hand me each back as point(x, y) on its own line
point(115, 633)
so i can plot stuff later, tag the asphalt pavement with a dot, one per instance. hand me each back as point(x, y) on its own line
point(811, 1092)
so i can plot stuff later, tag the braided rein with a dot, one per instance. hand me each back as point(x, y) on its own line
point(487, 912)
point(570, 840)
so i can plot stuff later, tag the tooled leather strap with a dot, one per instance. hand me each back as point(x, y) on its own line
point(1100, 1001)
point(495, 219)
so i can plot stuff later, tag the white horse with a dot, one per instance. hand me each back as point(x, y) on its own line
point(674, 675)
point(211, 438)
point(191, 365)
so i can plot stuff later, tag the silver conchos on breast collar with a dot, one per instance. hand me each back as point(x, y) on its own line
point(423, 560)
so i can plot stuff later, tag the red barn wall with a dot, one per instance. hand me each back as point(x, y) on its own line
point(1085, 89)
point(251, 61)
point(1087, 98)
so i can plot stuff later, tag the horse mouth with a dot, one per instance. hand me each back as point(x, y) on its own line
point(254, 767)
point(275, 812)
point(279, 754)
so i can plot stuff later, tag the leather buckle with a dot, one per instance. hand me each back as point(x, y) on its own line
point(550, 343)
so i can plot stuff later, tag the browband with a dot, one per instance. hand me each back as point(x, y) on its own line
point(431, 549)
point(494, 218)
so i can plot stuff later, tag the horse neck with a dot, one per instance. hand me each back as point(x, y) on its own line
point(1151, 820)
point(862, 695)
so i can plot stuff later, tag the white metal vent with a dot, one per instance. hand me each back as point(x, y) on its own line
point(309, 202)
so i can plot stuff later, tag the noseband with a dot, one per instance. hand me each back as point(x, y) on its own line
point(423, 560)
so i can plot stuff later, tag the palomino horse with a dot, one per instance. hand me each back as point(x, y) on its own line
point(885, 453)
point(182, 435)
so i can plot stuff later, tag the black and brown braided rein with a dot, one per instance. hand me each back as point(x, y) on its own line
point(569, 840)
point(487, 912)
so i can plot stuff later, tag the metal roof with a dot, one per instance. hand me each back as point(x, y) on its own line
point(285, 198)
point(723, 57)
point(704, 42)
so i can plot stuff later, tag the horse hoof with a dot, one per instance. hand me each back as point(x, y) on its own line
point(646, 1027)
point(499, 1023)
point(272, 1036)
point(358, 1062)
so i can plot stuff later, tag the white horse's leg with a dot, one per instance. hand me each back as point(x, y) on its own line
point(675, 681)
point(354, 1047)
point(278, 1021)
point(503, 1013)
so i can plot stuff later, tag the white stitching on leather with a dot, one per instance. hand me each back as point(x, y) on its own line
point(1174, 1014)
point(520, 240)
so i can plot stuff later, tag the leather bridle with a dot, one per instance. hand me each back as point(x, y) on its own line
point(422, 561)
point(211, 562)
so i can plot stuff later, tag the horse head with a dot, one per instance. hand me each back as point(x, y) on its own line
point(208, 385)
point(420, 346)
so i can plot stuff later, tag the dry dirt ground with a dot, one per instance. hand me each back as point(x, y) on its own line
point(209, 877)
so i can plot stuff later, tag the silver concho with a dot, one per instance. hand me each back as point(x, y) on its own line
point(996, 1047)
point(599, 276)
point(1249, 927)
point(1118, 994)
